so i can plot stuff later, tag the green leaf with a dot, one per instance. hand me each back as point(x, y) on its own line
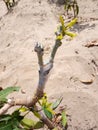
point(56, 103)
point(38, 125)
point(48, 113)
point(23, 109)
point(6, 92)
point(6, 127)
point(64, 119)
point(70, 34)
point(48, 104)
point(55, 129)
point(10, 122)
point(70, 24)
point(28, 123)
point(16, 128)
point(36, 114)
point(2, 100)
point(44, 100)
point(16, 117)
point(77, 9)
point(62, 21)
point(63, 26)
point(5, 118)
point(59, 37)
point(51, 110)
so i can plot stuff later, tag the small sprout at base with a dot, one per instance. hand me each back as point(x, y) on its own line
point(56, 103)
point(23, 109)
point(64, 119)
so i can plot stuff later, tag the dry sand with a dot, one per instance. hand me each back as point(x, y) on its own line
point(75, 72)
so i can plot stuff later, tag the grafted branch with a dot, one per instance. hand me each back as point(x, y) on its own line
point(44, 68)
point(58, 43)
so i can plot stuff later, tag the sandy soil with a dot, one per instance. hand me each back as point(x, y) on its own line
point(75, 72)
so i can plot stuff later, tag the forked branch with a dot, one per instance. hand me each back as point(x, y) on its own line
point(43, 76)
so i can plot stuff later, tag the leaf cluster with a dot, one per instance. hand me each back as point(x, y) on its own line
point(63, 29)
point(72, 5)
point(9, 4)
point(18, 121)
point(5, 92)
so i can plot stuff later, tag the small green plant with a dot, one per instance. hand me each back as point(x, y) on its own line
point(9, 4)
point(72, 5)
point(18, 120)
point(38, 105)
